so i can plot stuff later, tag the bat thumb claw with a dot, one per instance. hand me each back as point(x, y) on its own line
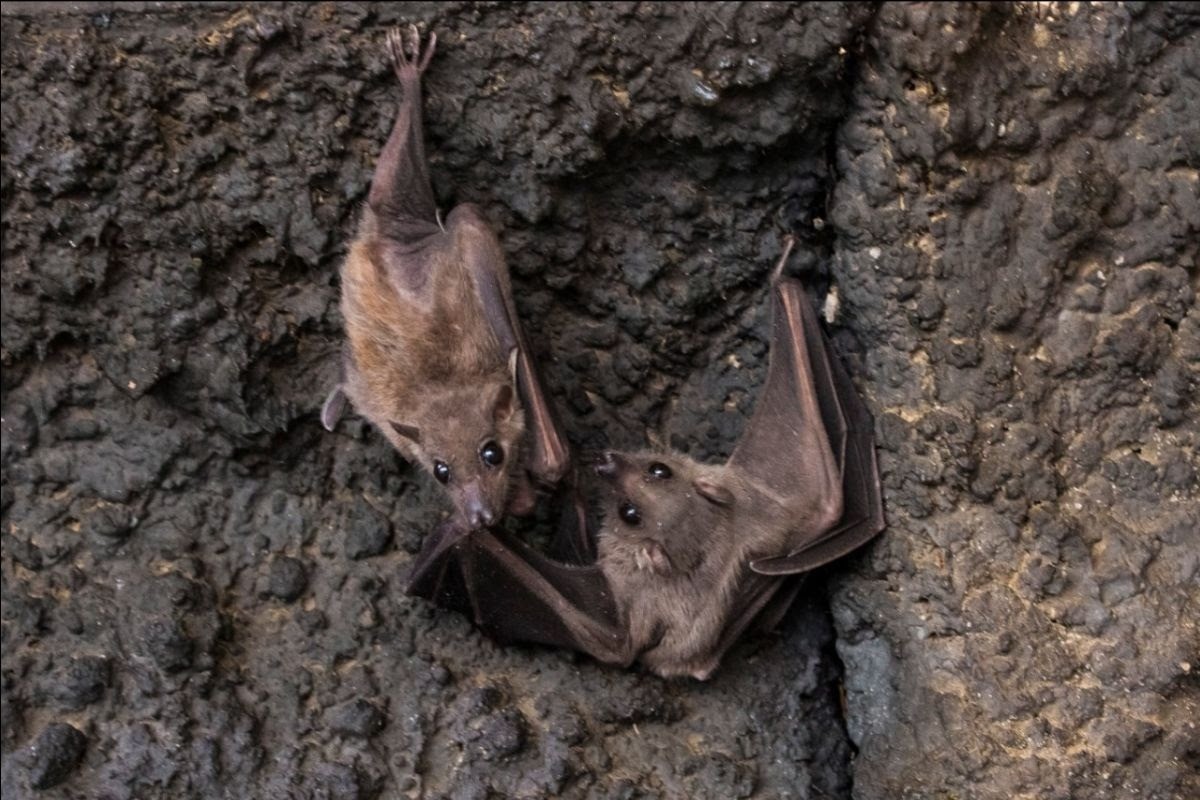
point(789, 241)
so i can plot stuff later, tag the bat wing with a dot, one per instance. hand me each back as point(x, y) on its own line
point(515, 594)
point(480, 251)
point(811, 443)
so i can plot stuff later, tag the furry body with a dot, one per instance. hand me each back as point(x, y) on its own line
point(434, 355)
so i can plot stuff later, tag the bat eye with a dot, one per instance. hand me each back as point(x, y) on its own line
point(630, 514)
point(441, 471)
point(492, 454)
point(659, 470)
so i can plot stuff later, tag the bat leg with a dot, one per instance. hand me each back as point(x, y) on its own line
point(401, 197)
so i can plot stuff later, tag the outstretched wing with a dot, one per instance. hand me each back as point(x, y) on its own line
point(811, 442)
point(515, 594)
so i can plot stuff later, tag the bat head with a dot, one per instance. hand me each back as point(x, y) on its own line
point(663, 513)
point(468, 438)
point(466, 433)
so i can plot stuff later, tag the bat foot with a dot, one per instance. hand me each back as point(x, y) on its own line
point(408, 60)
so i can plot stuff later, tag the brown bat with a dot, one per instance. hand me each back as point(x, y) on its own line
point(692, 555)
point(435, 356)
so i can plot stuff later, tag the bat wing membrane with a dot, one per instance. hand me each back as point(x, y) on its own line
point(549, 455)
point(515, 594)
point(807, 378)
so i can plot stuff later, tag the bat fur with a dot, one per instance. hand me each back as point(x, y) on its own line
point(679, 537)
point(433, 354)
point(691, 556)
point(676, 572)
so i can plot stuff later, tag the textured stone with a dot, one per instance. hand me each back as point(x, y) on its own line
point(1004, 196)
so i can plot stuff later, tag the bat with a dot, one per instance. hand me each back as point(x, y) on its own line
point(435, 356)
point(690, 556)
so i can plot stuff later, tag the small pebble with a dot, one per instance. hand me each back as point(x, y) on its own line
point(55, 754)
point(357, 718)
point(287, 579)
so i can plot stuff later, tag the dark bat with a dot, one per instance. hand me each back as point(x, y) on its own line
point(435, 356)
point(692, 555)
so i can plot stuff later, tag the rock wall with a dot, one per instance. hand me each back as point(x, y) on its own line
point(201, 588)
point(1017, 223)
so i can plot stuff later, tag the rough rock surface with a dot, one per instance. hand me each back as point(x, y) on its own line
point(201, 588)
point(1017, 225)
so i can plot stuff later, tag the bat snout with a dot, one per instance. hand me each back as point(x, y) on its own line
point(478, 512)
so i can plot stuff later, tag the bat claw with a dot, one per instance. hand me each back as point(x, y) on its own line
point(789, 241)
point(408, 62)
point(429, 50)
point(414, 40)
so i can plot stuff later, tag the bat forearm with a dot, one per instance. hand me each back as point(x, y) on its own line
point(549, 458)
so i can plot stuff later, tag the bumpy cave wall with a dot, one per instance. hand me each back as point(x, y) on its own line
point(1017, 228)
point(201, 588)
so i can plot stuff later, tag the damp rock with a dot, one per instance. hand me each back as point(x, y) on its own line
point(81, 681)
point(368, 533)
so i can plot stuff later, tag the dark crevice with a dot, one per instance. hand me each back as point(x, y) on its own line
point(826, 239)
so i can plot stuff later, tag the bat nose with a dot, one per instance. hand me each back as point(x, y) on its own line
point(606, 465)
point(478, 512)
point(481, 517)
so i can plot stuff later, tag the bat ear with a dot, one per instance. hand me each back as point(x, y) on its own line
point(655, 440)
point(713, 492)
point(334, 407)
point(504, 404)
point(407, 431)
point(654, 556)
